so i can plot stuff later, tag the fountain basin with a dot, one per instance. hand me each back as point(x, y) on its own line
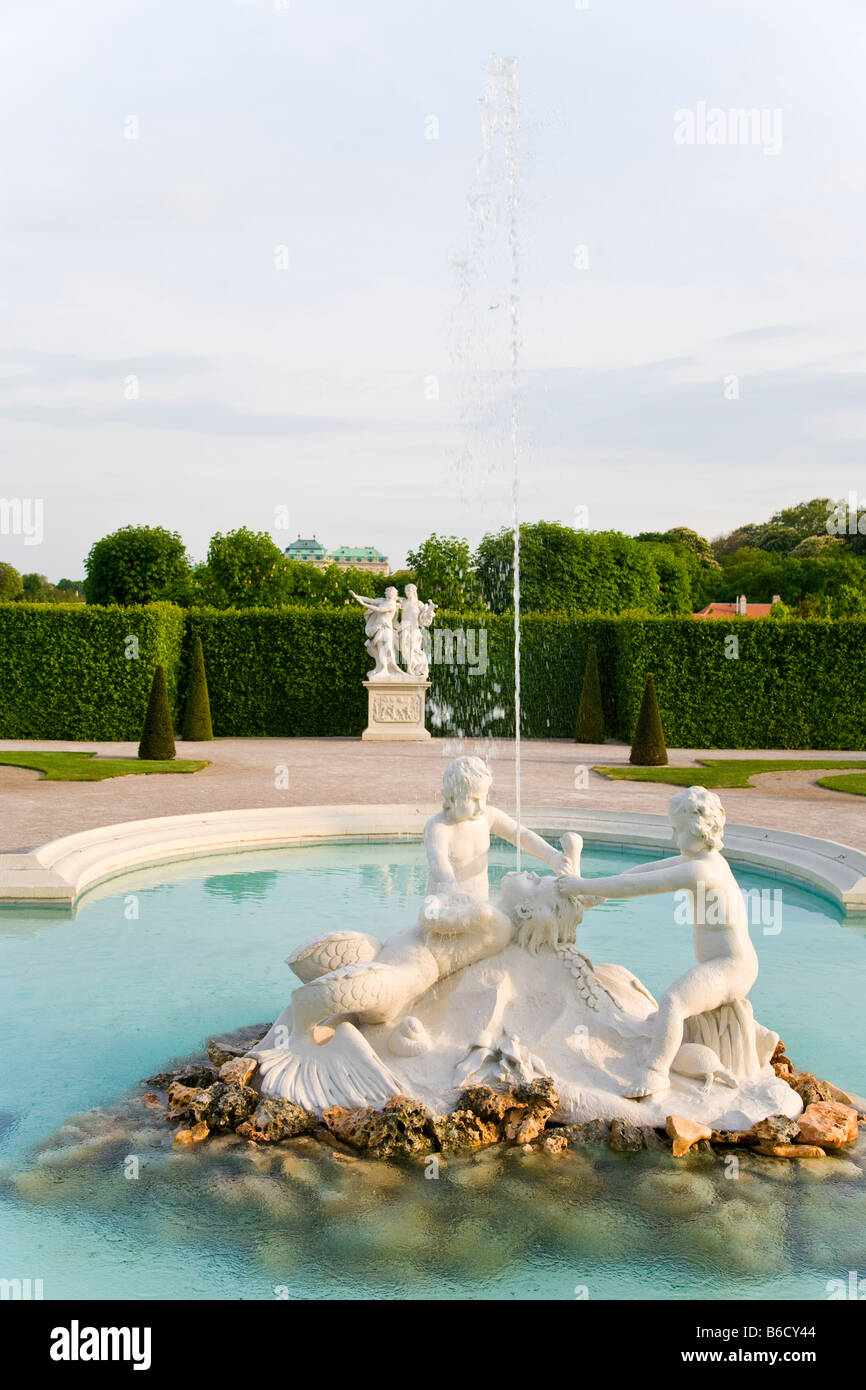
point(158, 959)
point(58, 873)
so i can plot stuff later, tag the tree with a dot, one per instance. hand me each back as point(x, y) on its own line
point(736, 540)
point(444, 572)
point(777, 538)
point(197, 727)
point(10, 583)
point(567, 571)
point(676, 568)
point(684, 535)
point(806, 518)
point(783, 532)
point(72, 590)
point(195, 589)
point(648, 747)
point(157, 735)
point(134, 565)
point(848, 603)
point(816, 545)
point(590, 711)
point(250, 571)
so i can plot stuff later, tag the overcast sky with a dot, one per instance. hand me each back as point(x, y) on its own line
point(302, 377)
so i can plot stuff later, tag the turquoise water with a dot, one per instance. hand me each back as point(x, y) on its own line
point(153, 963)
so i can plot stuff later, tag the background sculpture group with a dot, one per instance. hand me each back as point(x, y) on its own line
point(393, 625)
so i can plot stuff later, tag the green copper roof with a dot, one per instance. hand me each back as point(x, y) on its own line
point(363, 552)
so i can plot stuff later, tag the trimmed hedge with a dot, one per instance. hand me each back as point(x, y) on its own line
point(157, 736)
point(296, 672)
point(69, 671)
point(284, 671)
point(197, 725)
point(648, 748)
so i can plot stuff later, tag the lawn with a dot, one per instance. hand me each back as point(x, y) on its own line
point(854, 782)
point(86, 767)
point(736, 772)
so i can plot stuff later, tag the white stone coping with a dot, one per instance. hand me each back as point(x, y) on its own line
point(58, 873)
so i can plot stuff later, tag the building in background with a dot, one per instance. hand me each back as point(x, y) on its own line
point(345, 557)
point(739, 609)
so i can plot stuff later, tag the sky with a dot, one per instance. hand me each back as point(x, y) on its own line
point(243, 284)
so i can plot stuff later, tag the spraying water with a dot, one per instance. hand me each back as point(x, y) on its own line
point(511, 94)
point(489, 265)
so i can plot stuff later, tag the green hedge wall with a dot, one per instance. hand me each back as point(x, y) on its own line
point(64, 674)
point(69, 671)
point(553, 652)
point(283, 671)
point(794, 684)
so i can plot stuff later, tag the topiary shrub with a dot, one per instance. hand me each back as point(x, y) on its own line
point(157, 736)
point(590, 712)
point(648, 748)
point(197, 727)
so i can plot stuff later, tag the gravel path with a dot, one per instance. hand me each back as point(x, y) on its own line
point(246, 773)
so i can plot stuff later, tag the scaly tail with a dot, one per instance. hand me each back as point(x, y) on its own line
point(345, 1071)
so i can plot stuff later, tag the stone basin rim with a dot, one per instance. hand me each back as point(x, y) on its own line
point(59, 872)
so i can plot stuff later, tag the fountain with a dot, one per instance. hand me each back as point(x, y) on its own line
point(498, 993)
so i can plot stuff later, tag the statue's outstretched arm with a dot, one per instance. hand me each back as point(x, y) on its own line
point(647, 878)
point(503, 825)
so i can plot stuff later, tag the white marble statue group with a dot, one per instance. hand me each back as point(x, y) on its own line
point(498, 992)
point(393, 625)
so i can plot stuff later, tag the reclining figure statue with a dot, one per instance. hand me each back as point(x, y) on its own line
point(316, 1056)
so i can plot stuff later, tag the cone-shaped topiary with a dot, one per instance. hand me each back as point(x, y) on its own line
point(197, 726)
point(648, 748)
point(590, 712)
point(157, 736)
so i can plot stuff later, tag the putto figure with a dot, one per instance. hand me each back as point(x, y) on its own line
point(707, 1005)
point(379, 627)
point(458, 838)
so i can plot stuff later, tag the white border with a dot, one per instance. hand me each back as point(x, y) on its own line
point(58, 873)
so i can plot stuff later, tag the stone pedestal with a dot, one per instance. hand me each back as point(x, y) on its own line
point(395, 710)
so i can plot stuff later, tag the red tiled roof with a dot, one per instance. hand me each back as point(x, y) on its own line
point(729, 610)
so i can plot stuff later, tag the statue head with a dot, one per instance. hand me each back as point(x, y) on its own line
point(542, 916)
point(411, 591)
point(698, 820)
point(465, 787)
point(390, 592)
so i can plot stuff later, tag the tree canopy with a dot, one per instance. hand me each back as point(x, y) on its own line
point(134, 565)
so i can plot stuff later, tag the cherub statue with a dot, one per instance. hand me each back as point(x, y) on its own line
point(379, 627)
point(315, 1056)
point(414, 617)
point(458, 838)
point(727, 963)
